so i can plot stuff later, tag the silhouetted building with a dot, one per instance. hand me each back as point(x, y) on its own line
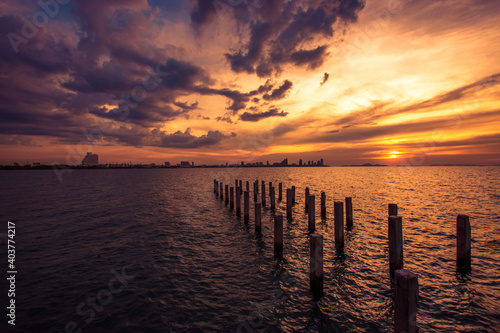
point(167, 164)
point(90, 159)
point(300, 162)
point(185, 164)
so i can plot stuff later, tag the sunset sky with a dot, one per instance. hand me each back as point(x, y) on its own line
point(381, 81)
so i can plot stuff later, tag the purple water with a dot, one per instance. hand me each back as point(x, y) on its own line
point(188, 264)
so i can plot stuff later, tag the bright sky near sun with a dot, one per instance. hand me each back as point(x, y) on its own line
point(250, 80)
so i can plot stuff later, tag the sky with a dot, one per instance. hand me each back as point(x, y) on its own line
point(397, 82)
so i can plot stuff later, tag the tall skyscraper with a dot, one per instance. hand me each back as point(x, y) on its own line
point(90, 159)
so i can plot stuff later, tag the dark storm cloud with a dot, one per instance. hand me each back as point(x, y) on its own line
point(279, 93)
point(239, 99)
point(202, 12)
point(42, 55)
point(279, 36)
point(274, 112)
point(182, 75)
point(186, 105)
point(52, 85)
point(187, 140)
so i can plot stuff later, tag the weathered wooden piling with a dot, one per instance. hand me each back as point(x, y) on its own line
point(226, 194)
point(323, 204)
point(258, 212)
point(312, 211)
point(463, 242)
point(316, 265)
point(263, 196)
point(405, 301)
point(231, 199)
point(293, 195)
point(280, 191)
point(255, 190)
point(238, 202)
point(270, 185)
point(246, 206)
point(338, 212)
point(278, 236)
point(216, 188)
point(273, 198)
point(395, 243)
point(221, 191)
point(241, 187)
point(348, 213)
point(248, 186)
point(215, 185)
point(289, 203)
point(393, 209)
point(306, 200)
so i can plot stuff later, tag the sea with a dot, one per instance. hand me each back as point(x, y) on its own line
point(155, 250)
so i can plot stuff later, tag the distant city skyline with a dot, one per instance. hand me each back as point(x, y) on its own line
point(353, 82)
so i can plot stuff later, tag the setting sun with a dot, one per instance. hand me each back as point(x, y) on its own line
point(394, 154)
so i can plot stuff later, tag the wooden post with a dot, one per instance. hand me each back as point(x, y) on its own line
point(323, 205)
point(273, 198)
point(238, 202)
point(221, 193)
point(241, 187)
point(306, 200)
point(236, 184)
point(231, 200)
point(280, 190)
point(348, 213)
point(312, 211)
point(246, 206)
point(405, 301)
point(270, 186)
point(216, 190)
point(226, 196)
point(289, 203)
point(248, 186)
point(215, 185)
point(395, 243)
point(255, 190)
point(263, 196)
point(316, 265)
point(293, 195)
point(393, 209)
point(338, 208)
point(463, 242)
point(258, 212)
point(278, 236)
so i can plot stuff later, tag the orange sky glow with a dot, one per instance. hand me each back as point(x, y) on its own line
point(406, 81)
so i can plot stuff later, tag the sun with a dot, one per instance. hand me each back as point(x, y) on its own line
point(394, 154)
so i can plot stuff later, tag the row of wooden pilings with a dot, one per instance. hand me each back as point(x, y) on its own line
point(405, 282)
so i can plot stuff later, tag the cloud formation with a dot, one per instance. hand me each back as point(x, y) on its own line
point(187, 140)
point(285, 33)
point(256, 116)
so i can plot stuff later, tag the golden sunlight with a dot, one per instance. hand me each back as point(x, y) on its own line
point(394, 154)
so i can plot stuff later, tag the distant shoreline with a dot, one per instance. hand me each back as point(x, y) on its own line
point(106, 167)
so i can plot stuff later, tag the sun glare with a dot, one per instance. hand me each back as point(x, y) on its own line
point(394, 154)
